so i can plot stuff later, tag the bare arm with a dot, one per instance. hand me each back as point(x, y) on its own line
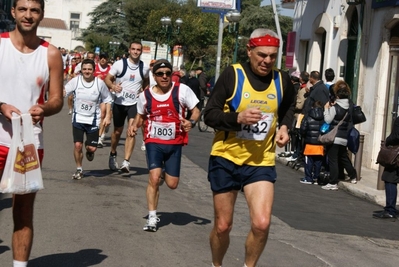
point(135, 124)
point(55, 89)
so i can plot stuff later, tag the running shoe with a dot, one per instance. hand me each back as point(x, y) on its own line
point(125, 166)
point(304, 181)
point(70, 112)
point(353, 181)
point(78, 174)
point(151, 225)
point(330, 187)
point(112, 164)
point(89, 156)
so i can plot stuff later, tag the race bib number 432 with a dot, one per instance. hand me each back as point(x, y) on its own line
point(257, 131)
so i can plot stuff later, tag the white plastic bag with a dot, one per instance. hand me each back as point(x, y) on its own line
point(22, 173)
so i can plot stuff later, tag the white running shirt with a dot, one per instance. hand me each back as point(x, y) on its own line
point(24, 80)
point(131, 82)
point(87, 98)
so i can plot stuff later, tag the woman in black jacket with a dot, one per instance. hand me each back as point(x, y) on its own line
point(390, 176)
point(337, 153)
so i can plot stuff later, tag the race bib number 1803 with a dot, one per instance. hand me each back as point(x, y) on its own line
point(163, 130)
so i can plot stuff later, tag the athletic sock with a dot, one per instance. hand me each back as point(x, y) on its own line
point(152, 213)
point(19, 263)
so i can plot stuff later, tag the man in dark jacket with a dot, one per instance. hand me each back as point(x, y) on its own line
point(390, 176)
point(318, 92)
point(203, 80)
point(194, 84)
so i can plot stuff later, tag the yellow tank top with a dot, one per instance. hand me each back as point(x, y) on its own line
point(254, 145)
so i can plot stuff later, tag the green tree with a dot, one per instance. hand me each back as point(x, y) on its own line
point(107, 24)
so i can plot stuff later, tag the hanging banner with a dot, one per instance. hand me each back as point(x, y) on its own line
point(217, 4)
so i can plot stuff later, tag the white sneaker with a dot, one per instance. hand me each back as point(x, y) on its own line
point(151, 225)
point(143, 146)
point(112, 164)
point(100, 143)
point(78, 174)
point(125, 166)
point(291, 159)
point(70, 112)
point(353, 181)
point(330, 187)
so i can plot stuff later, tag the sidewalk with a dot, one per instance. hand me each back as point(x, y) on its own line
point(366, 188)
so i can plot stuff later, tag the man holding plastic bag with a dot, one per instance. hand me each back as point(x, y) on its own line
point(29, 67)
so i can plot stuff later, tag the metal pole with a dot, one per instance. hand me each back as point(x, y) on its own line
point(167, 44)
point(358, 158)
point(236, 45)
point(156, 50)
point(280, 50)
point(219, 47)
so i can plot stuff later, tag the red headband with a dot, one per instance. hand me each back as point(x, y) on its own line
point(266, 40)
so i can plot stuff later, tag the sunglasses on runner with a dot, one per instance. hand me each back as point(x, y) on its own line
point(161, 74)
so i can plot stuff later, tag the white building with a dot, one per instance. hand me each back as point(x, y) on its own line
point(64, 21)
point(359, 39)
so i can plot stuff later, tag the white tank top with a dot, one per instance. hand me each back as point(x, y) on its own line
point(24, 81)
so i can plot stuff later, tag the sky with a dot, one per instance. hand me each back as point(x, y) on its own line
point(283, 11)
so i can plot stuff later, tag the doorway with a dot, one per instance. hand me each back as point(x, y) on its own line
point(393, 89)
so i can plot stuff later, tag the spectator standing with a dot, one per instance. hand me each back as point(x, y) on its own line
point(329, 75)
point(203, 81)
point(337, 153)
point(318, 92)
point(390, 176)
point(42, 68)
point(314, 150)
point(193, 83)
point(165, 132)
point(126, 79)
point(246, 104)
point(183, 76)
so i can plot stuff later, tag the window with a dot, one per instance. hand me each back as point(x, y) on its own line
point(74, 22)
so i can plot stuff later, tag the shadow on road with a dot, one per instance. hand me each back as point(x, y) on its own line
point(180, 218)
point(134, 171)
point(5, 203)
point(3, 248)
point(82, 258)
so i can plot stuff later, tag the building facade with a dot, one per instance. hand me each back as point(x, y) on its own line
point(359, 39)
point(74, 15)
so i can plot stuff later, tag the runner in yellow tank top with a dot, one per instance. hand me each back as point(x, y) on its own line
point(253, 143)
point(247, 103)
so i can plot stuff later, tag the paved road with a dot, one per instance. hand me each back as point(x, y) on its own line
point(98, 221)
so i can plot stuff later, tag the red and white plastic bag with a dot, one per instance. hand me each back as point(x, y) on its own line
point(22, 173)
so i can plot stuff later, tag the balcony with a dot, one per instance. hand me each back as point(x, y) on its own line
point(288, 4)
